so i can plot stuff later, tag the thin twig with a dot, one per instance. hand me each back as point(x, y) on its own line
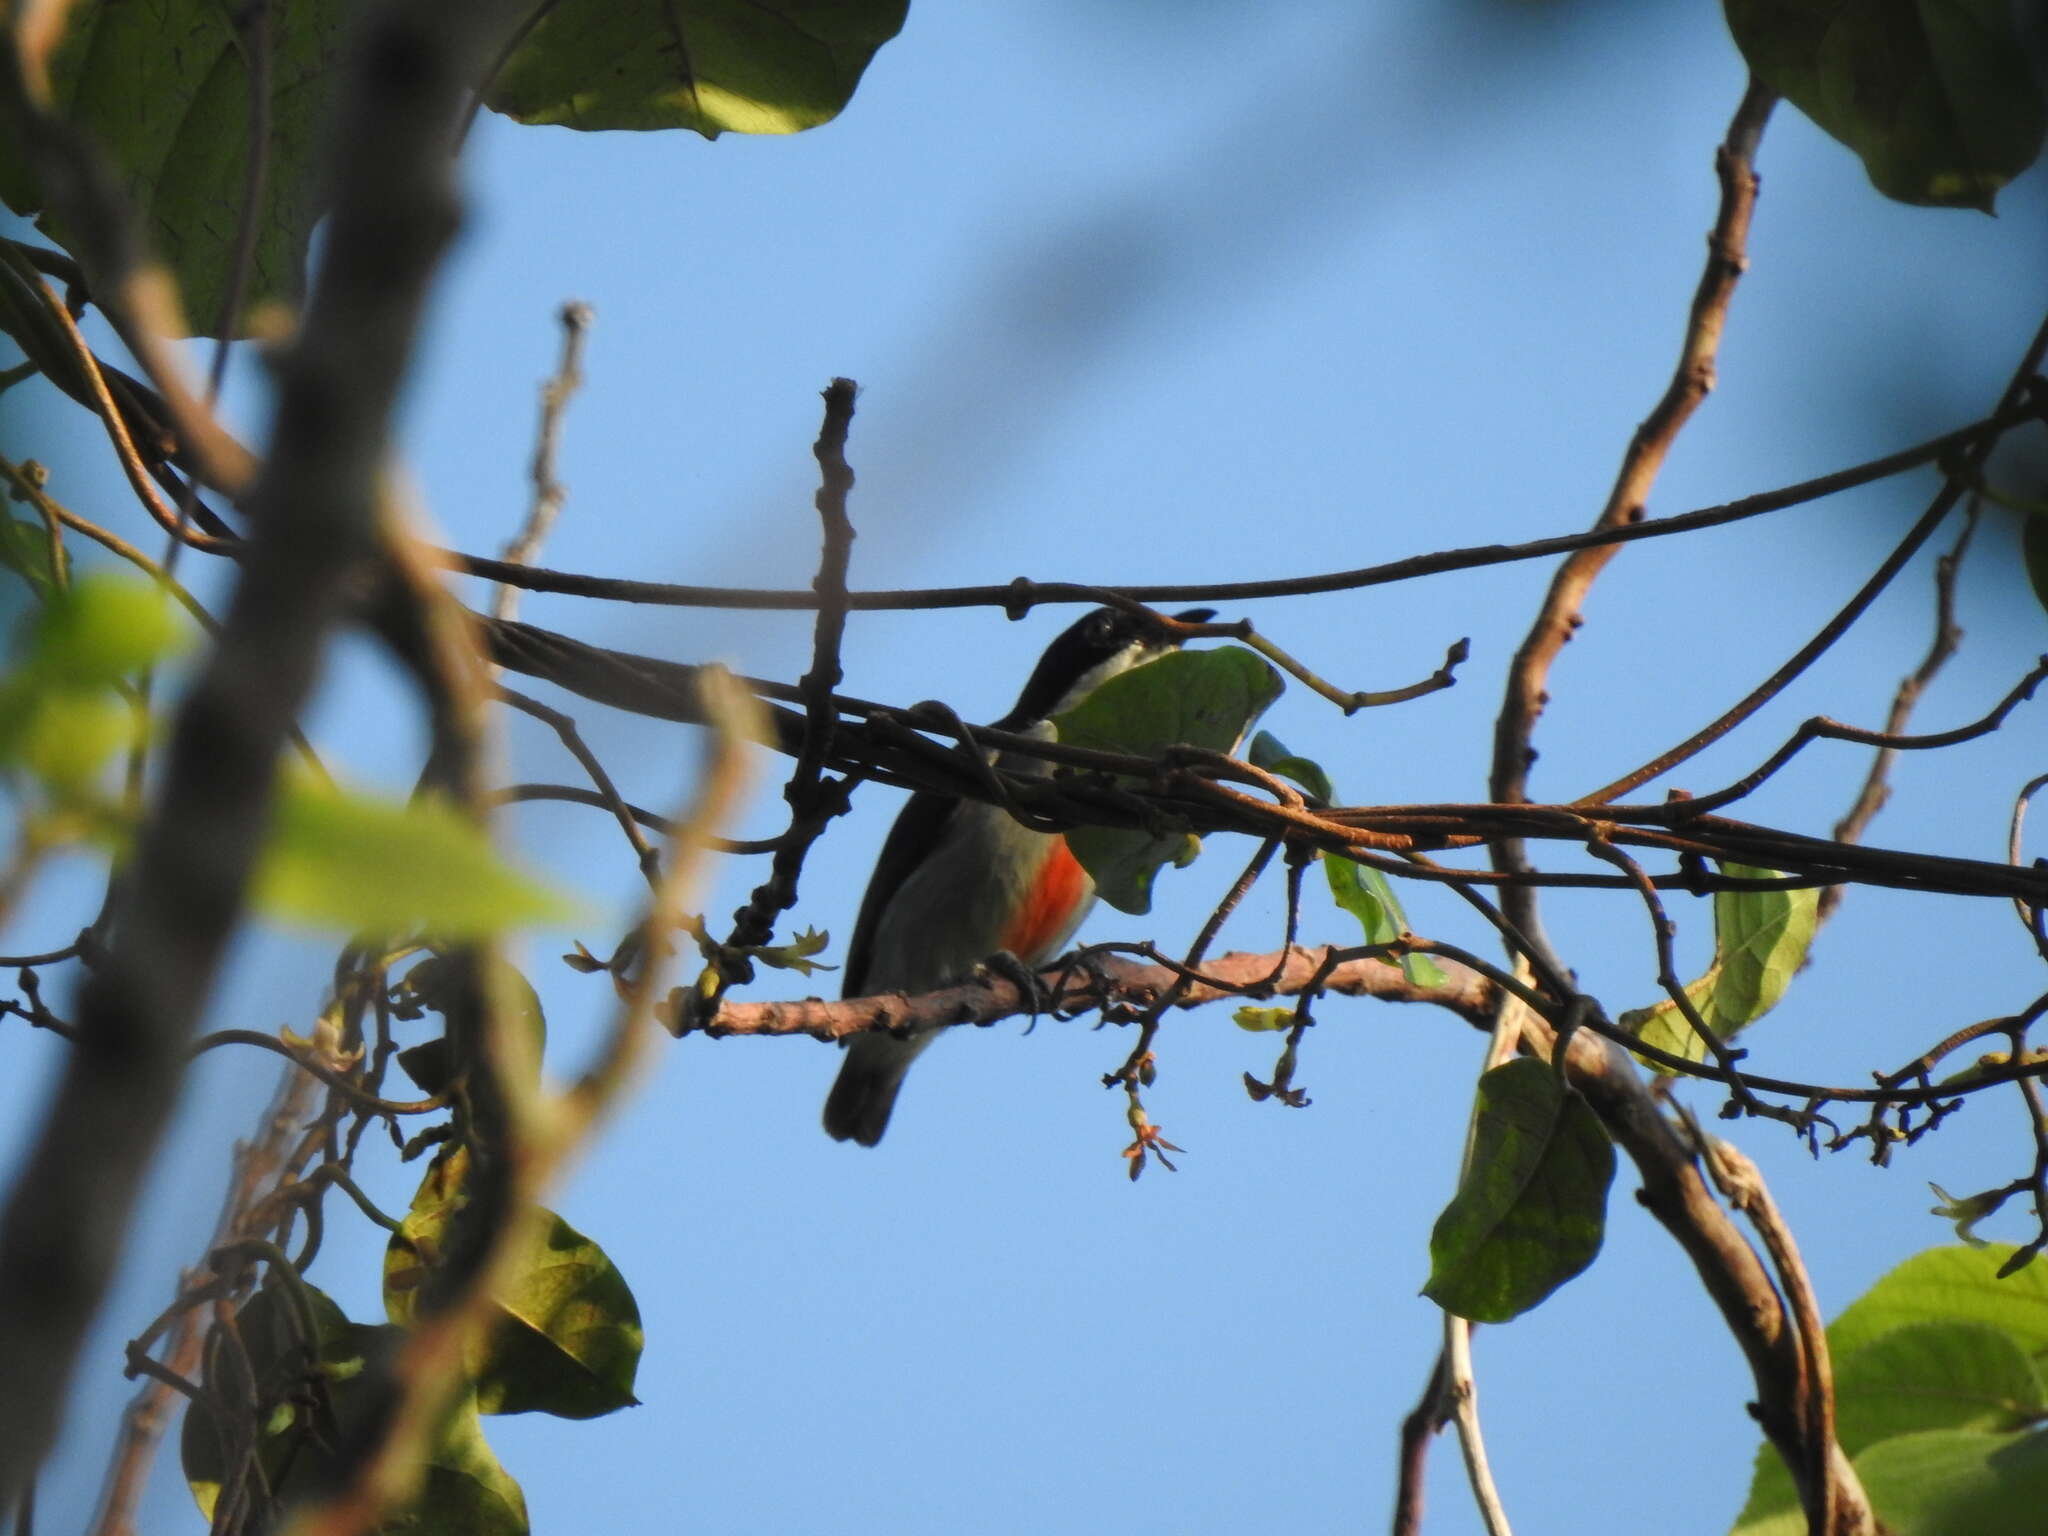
point(1959, 481)
point(1692, 378)
point(548, 492)
point(1018, 597)
point(813, 800)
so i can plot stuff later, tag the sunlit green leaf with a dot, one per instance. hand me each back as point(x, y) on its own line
point(1203, 698)
point(718, 66)
point(1940, 1343)
point(162, 87)
point(1258, 1020)
point(566, 1337)
point(353, 861)
point(1936, 96)
point(1760, 942)
point(1531, 1209)
point(797, 954)
point(1951, 1284)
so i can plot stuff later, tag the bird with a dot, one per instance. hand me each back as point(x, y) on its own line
point(960, 882)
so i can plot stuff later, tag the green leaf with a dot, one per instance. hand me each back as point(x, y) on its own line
point(2034, 545)
point(283, 1361)
point(1951, 1284)
point(25, 550)
point(1366, 893)
point(1916, 1352)
point(1772, 1508)
point(104, 629)
point(466, 1488)
point(427, 988)
point(1196, 698)
point(718, 66)
point(1760, 942)
point(1259, 1020)
point(1530, 1211)
point(1958, 1482)
point(60, 718)
point(567, 1335)
point(1934, 1375)
point(63, 736)
point(1267, 751)
point(312, 1411)
point(1935, 96)
point(162, 87)
point(796, 954)
point(345, 860)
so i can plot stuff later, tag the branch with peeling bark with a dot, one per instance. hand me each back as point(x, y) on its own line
point(1101, 982)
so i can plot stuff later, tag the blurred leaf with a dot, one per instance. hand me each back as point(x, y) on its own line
point(63, 736)
point(430, 987)
point(25, 550)
point(796, 954)
point(60, 718)
point(1967, 1211)
point(2034, 544)
point(1936, 96)
point(344, 860)
point(717, 66)
point(1366, 893)
point(1958, 1482)
point(1195, 698)
point(1531, 1209)
point(1760, 942)
point(105, 629)
point(567, 1335)
point(162, 87)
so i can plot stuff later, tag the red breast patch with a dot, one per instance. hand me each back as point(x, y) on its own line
point(1048, 907)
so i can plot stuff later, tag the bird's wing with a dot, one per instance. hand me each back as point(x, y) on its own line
point(920, 826)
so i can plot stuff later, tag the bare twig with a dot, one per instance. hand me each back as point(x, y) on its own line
point(548, 492)
point(1832, 1493)
point(1107, 983)
point(1691, 379)
point(1964, 476)
point(607, 793)
point(1019, 597)
point(813, 799)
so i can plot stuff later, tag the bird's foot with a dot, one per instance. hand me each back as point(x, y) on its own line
point(1007, 967)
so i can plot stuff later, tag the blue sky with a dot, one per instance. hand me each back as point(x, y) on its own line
point(1148, 293)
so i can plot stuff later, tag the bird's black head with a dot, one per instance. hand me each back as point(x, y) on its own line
point(1089, 652)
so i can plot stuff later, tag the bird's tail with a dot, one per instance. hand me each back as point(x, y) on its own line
point(860, 1102)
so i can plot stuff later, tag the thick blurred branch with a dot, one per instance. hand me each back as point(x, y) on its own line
point(314, 503)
